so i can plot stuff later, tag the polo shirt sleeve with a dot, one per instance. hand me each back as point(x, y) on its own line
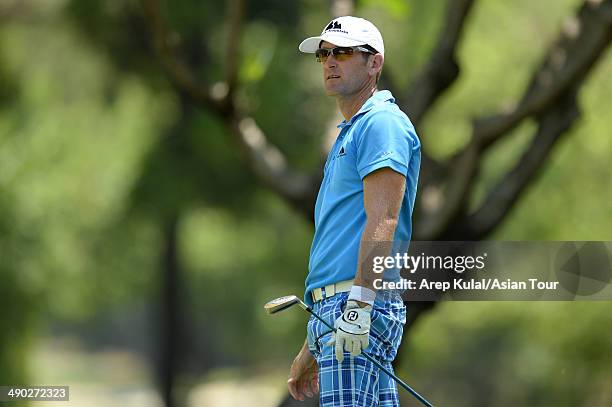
point(384, 141)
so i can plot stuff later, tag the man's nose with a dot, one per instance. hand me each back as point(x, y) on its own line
point(330, 61)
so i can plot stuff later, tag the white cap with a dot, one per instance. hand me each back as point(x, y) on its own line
point(346, 31)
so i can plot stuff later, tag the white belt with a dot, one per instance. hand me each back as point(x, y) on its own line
point(330, 290)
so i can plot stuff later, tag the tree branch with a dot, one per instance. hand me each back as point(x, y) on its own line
point(270, 166)
point(552, 125)
point(264, 159)
point(442, 68)
point(439, 73)
point(232, 59)
point(180, 74)
point(569, 60)
point(434, 223)
point(566, 65)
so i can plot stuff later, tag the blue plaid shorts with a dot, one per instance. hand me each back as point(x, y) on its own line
point(357, 381)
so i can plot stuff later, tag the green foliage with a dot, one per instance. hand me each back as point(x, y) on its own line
point(409, 29)
point(395, 8)
point(504, 42)
point(514, 353)
point(69, 159)
point(237, 264)
point(17, 304)
point(115, 27)
point(572, 199)
point(97, 150)
point(282, 14)
point(259, 43)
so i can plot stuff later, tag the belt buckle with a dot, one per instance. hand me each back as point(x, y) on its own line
point(315, 296)
point(330, 290)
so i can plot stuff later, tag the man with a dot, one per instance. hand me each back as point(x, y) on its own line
point(364, 205)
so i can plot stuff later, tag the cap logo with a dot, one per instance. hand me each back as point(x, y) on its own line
point(335, 26)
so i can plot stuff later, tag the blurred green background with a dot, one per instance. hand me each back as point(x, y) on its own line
point(107, 173)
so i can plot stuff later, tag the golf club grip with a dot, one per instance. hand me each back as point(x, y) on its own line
point(379, 365)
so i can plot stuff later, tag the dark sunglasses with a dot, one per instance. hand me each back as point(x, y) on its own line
point(339, 53)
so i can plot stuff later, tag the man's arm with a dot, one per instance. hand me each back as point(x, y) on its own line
point(383, 196)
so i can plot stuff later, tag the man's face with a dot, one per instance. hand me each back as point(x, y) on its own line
point(344, 78)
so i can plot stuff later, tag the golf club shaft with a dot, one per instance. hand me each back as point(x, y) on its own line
point(378, 364)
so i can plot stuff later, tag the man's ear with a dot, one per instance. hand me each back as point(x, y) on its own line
point(376, 62)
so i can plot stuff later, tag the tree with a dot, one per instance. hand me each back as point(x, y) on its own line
point(447, 187)
point(217, 105)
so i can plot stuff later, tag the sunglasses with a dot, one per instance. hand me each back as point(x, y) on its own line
point(339, 53)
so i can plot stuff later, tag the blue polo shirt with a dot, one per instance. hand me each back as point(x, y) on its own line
point(378, 135)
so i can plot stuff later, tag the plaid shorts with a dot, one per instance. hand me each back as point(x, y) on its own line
point(357, 381)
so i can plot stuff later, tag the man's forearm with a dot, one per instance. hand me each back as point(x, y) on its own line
point(304, 350)
point(383, 192)
point(376, 240)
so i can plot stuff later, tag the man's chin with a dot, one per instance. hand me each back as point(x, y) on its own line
point(330, 91)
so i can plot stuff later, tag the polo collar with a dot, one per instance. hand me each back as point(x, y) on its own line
point(379, 97)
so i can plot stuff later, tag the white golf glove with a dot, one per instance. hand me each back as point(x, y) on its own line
point(352, 330)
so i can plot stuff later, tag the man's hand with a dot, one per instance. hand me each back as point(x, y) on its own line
point(303, 376)
point(352, 330)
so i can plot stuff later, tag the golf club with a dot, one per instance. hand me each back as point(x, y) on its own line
point(282, 303)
